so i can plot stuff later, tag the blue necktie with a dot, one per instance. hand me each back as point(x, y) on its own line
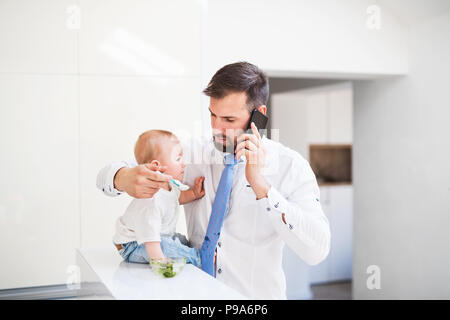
point(217, 214)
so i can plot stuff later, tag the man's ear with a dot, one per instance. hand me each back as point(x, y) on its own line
point(262, 109)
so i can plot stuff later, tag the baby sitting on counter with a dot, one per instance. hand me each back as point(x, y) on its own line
point(147, 229)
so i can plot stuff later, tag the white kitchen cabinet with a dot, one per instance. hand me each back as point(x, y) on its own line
point(39, 200)
point(321, 115)
point(337, 204)
point(341, 224)
point(340, 111)
point(74, 99)
point(290, 118)
point(316, 118)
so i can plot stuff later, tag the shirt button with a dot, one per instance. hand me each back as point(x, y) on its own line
point(219, 270)
point(291, 227)
point(219, 244)
point(268, 209)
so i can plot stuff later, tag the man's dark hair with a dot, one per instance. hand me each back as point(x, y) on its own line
point(240, 77)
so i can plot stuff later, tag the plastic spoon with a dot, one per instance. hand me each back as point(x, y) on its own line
point(177, 183)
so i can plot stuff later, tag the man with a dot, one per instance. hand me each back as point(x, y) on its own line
point(274, 196)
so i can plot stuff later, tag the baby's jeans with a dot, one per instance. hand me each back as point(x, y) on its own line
point(175, 246)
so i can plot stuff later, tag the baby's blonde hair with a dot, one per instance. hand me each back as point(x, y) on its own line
point(150, 143)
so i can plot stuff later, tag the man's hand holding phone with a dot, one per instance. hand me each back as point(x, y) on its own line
point(250, 145)
point(142, 181)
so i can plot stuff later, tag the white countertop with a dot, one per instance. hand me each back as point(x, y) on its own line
point(138, 281)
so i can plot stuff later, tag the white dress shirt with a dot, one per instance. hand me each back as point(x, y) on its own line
point(145, 220)
point(250, 247)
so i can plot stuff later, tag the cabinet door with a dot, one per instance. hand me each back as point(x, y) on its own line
point(39, 190)
point(341, 224)
point(289, 116)
point(337, 204)
point(317, 123)
point(340, 113)
point(301, 118)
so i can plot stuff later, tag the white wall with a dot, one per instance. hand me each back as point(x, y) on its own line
point(302, 38)
point(71, 100)
point(402, 173)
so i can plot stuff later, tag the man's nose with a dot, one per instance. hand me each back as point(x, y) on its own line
point(219, 125)
point(217, 130)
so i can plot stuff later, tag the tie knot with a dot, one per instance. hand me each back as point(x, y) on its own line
point(229, 159)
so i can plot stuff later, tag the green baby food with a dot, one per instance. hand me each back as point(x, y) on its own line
point(164, 268)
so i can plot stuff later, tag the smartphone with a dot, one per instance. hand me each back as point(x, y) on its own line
point(260, 120)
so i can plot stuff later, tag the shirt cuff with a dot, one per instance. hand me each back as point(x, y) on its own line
point(275, 203)
point(108, 186)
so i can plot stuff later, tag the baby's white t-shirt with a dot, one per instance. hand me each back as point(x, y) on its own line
point(145, 220)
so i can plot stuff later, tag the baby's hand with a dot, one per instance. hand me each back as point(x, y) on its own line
point(194, 193)
point(198, 189)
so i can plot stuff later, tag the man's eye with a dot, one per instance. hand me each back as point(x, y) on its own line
point(229, 120)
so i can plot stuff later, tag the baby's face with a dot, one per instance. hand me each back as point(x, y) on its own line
point(172, 157)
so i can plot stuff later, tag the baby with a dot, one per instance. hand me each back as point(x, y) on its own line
point(147, 229)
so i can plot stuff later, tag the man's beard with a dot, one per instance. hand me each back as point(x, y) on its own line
point(229, 146)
